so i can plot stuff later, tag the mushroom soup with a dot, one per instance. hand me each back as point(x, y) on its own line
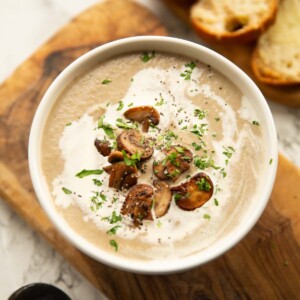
point(153, 155)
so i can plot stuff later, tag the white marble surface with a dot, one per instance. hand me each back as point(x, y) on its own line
point(25, 256)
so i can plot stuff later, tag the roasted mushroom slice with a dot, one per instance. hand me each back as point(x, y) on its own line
point(193, 193)
point(133, 142)
point(122, 176)
point(107, 168)
point(143, 114)
point(103, 147)
point(162, 198)
point(115, 156)
point(176, 161)
point(138, 203)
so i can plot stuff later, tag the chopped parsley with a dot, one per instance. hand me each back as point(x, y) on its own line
point(188, 71)
point(131, 160)
point(113, 230)
point(216, 202)
point(199, 130)
point(206, 216)
point(85, 173)
point(130, 104)
point(177, 197)
point(106, 81)
point(128, 125)
point(97, 182)
point(217, 119)
point(106, 127)
point(204, 162)
point(146, 56)
point(121, 105)
point(228, 151)
point(255, 123)
point(66, 191)
point(97, 200)
point(69, 124)
point(271, 160)
point(203, 185)
point(114, 244)
point(196, 146)
point(201, 114)
point(161, 102)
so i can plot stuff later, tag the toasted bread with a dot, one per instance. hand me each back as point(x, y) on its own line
point(276, 58)
point(233, 20)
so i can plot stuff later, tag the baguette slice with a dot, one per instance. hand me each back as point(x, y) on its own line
point(233, 20)
point(276, 58)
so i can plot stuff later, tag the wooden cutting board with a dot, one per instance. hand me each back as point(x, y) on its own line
point(265, 265)
point(241, 56)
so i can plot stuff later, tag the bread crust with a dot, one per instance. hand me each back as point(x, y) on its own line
point(245, 34)
point(267, 75)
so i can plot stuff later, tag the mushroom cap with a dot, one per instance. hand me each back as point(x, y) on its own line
point(133, 142)
point(103, 147)
point(138, 203)
point(177, 160)
point(122, 176)
point(194, 193)
point(162, 198)
point(143, 114)
point(115, 156)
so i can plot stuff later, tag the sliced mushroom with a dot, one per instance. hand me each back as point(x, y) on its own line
point(177, 160)
point(122, 176)
point(103, 147)
point(193, 193)
point(115, 156)
point(138, 203)
point(133, 142)
point(143, 114)
point(162, 198)
point(107, 169)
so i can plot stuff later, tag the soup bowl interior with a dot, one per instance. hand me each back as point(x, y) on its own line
point(175, 46)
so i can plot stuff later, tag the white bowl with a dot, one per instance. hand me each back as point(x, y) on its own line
point(176, 46)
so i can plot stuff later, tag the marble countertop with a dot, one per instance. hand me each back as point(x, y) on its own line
point(25, 256)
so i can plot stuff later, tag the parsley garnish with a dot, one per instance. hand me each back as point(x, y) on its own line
point(106, 81)
point(130, 104)
point(97, 182)
point(271, 160)
point(121, 105)
point(146, 56)
point(204, 162)
point(106, 127)
point(199, 130)
point(201, 114)
point(216, 202)
point(177, 197)
point(131, 160)
point(128, 125)
point(161, 102)
point(113, 230)
point(203, 185)
point(114, 244)
point(228, 151)
point(69, 124)
point(255, 123)
point(188, 71)
point(206, 216)
point(66, 191)
point(97, 201)
point(85, 172)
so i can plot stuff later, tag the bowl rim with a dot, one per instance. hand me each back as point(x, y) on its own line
point(84, 62)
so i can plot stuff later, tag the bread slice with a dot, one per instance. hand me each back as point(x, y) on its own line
point(276, 58)
point(233, 20)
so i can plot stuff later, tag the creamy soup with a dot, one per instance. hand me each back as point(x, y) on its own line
point(203, 125)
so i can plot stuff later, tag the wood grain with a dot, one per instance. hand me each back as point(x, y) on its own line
point(265, 265)
point(241, 55)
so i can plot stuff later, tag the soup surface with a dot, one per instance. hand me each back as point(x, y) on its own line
point(204, 119)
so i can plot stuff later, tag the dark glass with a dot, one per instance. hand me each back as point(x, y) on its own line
point(39, 291)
